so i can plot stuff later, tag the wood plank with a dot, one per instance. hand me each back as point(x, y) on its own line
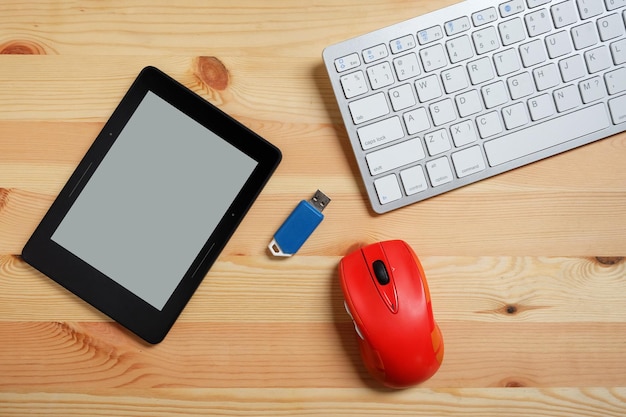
point(305, 289)
point(273, 26)
point(76, 355)
point(418, 402)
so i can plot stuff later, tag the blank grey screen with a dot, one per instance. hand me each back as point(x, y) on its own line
point(154, 200)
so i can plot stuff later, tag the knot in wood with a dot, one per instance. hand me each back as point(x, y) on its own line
point(21, 47)
point(211, 72)
point(609, 260)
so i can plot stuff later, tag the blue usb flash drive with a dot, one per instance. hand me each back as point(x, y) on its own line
point(299, 225)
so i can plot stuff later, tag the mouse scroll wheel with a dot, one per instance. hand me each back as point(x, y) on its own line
point(380, 270)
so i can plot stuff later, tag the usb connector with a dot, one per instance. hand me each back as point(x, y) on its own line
point(319, 201)
point(296, 229)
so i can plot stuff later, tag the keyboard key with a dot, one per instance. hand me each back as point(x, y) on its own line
point(437, 142)
point(610, 27)
point(439, 171)
point(468, 161)
point(541, 107)
point(406, 66)
point(457, 26)
point(347, 62)
point(416, 121)
point(511, 7)
point(454, 79)
point(402, 97)
point(380, 133)
point(616, 81)
point(428, 88)
point(538, 22)
point(463, 133)
point(533, 53)
point(387, 189)
point(485, 40)
point(354, 84)
point(380, 75)
point(414, 180)
point(442, 112)
point(537, 3)
point(617, 107)
point(548, 134)
point(558, 44)
point(375, 53)
point(592, 89)
point(468, 103)
point(564, 14)
point(402, 44)
point(484, 16)
point(572, 68)
point(494, 94)
point(506, 61)
point(589, 8)
point(566, 98)
point(514, 116)
point(584, 35)
point(618, 51)
point(368, 108)
point(520, 85)
point(429, 35)
point(480, 70)
point(433, 57)
point(489, 124)
point(512, 31)
point(459, 49)
point(614, 4)
point(395, 156)
point(546, 77)
point(598, 59)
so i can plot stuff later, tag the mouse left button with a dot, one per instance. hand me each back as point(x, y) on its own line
point(380, 270)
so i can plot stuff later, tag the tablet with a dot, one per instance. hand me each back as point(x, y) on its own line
point(151, 205)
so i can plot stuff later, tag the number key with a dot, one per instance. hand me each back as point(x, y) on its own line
point(589, 8)
point(406, 66)
point(353, 84)
point(380, 75)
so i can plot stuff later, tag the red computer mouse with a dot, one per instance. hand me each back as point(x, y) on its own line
point(386, 294)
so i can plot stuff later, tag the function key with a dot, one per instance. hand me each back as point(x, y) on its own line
point(614, 4)
point(511, 7)
point(402, 44)
point(387, 189)
point(347, 62)
point(457, 26)
point(484, 16)
point(375, 53)
point(429, 35)
point(537, 3)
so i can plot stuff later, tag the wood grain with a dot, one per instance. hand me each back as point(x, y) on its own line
point(490, 402)
point(526, 270)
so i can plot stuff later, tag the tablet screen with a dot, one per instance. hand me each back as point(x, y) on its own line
point(159, 192)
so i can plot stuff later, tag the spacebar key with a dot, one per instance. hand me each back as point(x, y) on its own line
point(545, 135)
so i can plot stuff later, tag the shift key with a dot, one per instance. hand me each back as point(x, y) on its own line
point(395, 156)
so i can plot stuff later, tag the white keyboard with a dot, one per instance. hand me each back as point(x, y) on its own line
point(476, 89)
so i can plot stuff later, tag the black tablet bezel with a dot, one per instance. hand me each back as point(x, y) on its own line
point(96, 288)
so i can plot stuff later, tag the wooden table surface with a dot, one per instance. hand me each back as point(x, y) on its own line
point(526, 270)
